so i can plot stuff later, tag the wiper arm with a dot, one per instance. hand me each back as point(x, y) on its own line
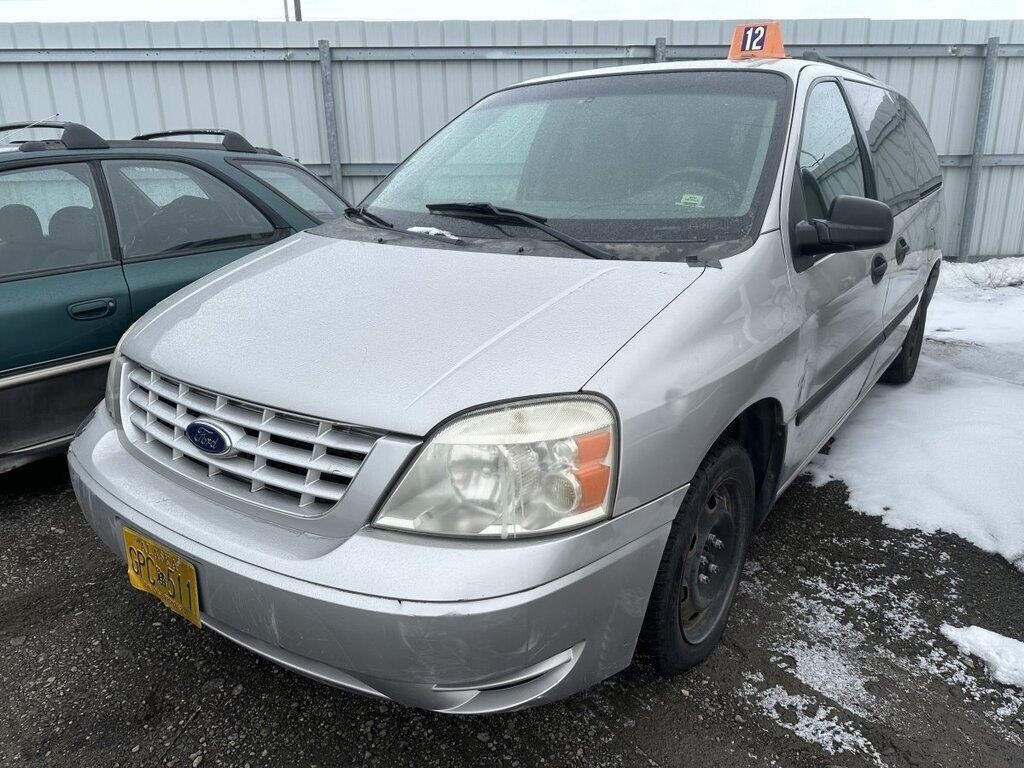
point(497, 214)
point(362, 212)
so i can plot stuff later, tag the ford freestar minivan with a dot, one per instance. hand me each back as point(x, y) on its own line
point(519, 413)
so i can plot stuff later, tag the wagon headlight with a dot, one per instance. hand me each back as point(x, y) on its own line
point(524, 469)
point(112, 394)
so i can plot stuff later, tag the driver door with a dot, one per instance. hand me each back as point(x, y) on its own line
point(176, 222)
point(842, 294)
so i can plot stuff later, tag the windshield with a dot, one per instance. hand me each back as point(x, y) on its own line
point(683, 156)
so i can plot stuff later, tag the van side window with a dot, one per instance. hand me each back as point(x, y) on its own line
point(926, 161)
point(829, 160)
point(50, 219)
point(884, 122)
point(165, 207)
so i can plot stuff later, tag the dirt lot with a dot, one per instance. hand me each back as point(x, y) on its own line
point(833, 658)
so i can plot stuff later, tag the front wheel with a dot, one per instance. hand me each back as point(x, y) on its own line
point(700, 568)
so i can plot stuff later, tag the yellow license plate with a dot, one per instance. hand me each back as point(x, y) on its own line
point(159, 571)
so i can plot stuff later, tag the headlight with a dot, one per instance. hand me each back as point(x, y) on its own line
point(112, 395)
point(525, 469)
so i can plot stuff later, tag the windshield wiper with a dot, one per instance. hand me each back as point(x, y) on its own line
point(499, 214)
point(362, 212)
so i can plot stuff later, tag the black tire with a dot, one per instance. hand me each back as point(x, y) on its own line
point(904, 366)
point(700, 568)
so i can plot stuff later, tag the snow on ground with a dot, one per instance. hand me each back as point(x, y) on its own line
point(946, 451)
point(1003, 656)
point(838, 661)
point(813, 722)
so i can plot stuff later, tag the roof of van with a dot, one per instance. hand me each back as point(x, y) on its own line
point(790, 67)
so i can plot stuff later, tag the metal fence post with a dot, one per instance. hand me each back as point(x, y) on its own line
point(978, 152)
point(659, 49)
point(330, 118)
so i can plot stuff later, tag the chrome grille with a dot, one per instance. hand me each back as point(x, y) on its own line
point(286, 462)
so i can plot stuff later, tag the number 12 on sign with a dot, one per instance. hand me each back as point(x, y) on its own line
point(753, 38)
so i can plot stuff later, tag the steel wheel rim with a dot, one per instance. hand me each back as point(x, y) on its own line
point(711, 564)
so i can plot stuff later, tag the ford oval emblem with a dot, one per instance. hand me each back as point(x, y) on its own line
point(210, 438)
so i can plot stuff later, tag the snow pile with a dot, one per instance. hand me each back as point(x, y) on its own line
point(945, 451)
point(1003, 656)
point(994, 273)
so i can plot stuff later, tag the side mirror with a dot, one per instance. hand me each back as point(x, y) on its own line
point(852, 223)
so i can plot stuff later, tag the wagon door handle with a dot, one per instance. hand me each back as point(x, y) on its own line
point(93, 309)
point(878, 267)
point(902, 249)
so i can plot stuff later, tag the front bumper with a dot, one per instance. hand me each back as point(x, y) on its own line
point(532, 645)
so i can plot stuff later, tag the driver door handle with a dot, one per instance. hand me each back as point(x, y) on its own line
point(93, 309)
point(878, 266)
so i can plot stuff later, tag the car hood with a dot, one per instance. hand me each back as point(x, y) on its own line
point(398, 338)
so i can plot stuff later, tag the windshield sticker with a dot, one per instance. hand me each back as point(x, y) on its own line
point(691, 201)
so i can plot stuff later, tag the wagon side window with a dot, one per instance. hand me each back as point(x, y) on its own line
point(829, 162)
point(50, 219)
point(165, 207)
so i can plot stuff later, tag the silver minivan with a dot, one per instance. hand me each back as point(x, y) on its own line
point(516, 417)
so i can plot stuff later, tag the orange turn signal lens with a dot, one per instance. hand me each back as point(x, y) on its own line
point(593, 447)
point(593, 479)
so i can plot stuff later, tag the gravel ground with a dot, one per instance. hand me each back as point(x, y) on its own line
point(832, 658)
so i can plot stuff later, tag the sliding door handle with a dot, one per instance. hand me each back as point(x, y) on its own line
point(878, 266)
point(902, 249)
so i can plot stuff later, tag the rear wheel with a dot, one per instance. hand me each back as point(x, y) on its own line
point(902, 369)
point(700, 568)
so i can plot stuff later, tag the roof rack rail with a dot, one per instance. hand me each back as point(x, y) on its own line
point(73, 135)
point(817, 57)
point(232, 140)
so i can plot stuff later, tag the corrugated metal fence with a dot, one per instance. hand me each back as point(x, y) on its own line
point(392, 84)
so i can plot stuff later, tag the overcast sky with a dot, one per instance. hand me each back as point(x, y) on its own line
point(169, 10)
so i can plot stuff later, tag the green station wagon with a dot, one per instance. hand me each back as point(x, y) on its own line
point(94, 232)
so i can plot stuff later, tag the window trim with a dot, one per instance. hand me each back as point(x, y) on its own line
point(797, 207)
point(241, 163)
point(113, 244)
point(278, 233)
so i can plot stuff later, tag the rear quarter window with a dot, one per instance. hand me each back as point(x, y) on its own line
point(299, 187)
point(929, 175)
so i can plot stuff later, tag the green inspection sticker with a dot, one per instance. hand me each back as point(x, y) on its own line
point(691, 201)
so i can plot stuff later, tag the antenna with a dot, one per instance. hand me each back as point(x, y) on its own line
point(16, 131)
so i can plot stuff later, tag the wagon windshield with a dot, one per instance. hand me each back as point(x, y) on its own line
point(679, 156)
